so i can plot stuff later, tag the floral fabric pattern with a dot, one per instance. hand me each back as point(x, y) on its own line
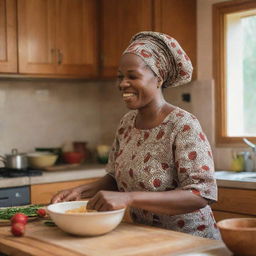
point(173, 155)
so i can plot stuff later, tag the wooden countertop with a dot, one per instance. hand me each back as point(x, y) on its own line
point(125, 240)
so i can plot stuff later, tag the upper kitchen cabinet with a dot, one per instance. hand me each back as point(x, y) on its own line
point(120, 20)
point(8, 40)
point(177, 18)
point(58, 37)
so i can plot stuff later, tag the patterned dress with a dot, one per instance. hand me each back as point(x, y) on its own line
point(173, 155)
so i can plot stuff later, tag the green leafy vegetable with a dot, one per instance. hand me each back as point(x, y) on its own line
point(30, 211)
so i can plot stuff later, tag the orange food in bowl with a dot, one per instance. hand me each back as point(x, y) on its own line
point(73, 157)
point(239, 235)
point(81, 209)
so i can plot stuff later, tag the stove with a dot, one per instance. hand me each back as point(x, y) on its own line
point(14, 173)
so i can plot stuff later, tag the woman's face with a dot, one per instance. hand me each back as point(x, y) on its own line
point(137, 82)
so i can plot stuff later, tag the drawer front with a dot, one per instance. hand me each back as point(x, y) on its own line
point(242, 201)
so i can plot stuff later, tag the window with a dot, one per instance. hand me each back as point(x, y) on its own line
point(234, 45)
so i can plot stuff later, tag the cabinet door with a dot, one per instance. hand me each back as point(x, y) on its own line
point(43, 193)
point(177, 18)
point(8, 40)
point(76, 38)
point(36, 19)
point(120, 20)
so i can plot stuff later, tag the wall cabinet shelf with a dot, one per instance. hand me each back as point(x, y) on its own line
point(85, 38)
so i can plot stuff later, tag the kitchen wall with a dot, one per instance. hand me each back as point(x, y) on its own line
point(46, 113)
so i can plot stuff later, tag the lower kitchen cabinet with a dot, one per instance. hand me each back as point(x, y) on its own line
point(235, 203)
point(42, 193)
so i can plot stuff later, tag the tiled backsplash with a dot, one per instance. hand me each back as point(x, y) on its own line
point(40, 113)
point(48, 113)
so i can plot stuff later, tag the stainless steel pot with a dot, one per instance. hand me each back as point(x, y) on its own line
point(15, 160)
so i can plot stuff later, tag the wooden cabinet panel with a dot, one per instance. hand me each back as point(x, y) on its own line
point(240, 201)
point(120, 20)
point(8, 37)
point(58, 37)
point(77, 37)
point(177, 18)
point(220, 215)
point(36, 19)
point(42, 193)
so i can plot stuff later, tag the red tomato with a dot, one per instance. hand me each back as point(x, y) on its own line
point(41, 212)
point(19, 218)
point(18, 229)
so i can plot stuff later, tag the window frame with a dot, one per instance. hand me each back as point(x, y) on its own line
point(219, 11)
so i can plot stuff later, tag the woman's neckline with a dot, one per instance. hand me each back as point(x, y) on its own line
point(148, 129)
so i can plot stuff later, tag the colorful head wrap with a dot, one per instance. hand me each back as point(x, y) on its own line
point(163, 55)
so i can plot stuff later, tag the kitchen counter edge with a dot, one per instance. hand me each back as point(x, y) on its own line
point(97, 170)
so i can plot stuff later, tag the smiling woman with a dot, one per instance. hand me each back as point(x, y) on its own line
point(160, 164)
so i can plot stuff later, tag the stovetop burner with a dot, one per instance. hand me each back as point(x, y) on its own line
point(13, 173)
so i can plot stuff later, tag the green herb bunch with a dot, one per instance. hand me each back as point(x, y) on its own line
point(30, 211)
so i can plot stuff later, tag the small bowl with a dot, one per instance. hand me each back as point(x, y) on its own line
point(41, 160)
point(84, 224)
point(54, 150)
point(73, 157)
point(239, 235)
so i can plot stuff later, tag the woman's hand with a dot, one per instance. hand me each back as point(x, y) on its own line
point(72, 194)
point(109, 200)
point(85, 191)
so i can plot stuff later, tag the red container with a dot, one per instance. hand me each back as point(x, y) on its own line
point(81, 146)
point(73, 157)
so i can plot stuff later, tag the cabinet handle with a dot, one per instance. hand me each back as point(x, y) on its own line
point(53, 54)
point(60, 57)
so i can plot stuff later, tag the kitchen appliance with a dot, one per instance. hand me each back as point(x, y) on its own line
point(15, 160)
point(15, 196)
point(14, 173)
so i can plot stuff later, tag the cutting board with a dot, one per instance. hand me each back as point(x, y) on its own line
point(125, 240)
point(60, 167)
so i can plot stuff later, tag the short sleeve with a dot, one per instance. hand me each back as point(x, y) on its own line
point(194, 161)
point(110, 168)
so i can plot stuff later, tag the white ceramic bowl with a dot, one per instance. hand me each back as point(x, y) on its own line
point(84, 224)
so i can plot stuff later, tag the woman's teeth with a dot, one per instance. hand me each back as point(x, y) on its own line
point(127, 95)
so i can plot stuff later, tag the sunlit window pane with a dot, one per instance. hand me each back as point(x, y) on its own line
point(249, 74)
point(241, 74)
